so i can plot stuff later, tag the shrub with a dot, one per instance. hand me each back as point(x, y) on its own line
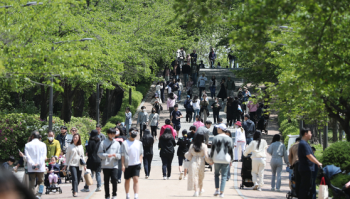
point(292, 130)
point(339, 181)
point(108, 126)
point(337, 154)
point(16, 128)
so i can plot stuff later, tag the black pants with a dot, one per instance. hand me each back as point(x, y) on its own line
point(142, 127)
point(229, 122)
point(305, 185)
point(200, 91)
point(252, 116)
point(216, 116)
point(188, 93)
point(297, 177)
point(147, 160)
point(154, 131)
point(236, 117)
point(113, 175)
point(76, 176)
point(189, 116)
point(162, 94)
point(170, 110)
point(166, 164)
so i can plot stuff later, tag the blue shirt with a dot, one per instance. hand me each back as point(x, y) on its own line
point(176, 114)
point(305, 164)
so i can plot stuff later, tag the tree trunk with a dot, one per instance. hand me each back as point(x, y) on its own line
point(67, 100)
point(92, 103)
point(335, 130)
point(79, 102)
point(107, 110)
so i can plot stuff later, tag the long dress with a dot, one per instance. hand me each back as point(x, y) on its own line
point(197, 167)
point(222, 93)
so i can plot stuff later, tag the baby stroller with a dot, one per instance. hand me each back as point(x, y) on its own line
point(246, 172)
point(293, 192)
point(52, 188)
point(328, 172)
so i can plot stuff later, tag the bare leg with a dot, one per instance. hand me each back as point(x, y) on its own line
point(136, 184)
point(180, 169)
point(127, 186)
point(185, 172)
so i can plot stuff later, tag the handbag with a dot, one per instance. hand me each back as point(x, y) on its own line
point(88, 178)
point(323, 189)
point(82, 161)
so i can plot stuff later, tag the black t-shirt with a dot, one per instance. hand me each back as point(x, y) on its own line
point(305, 164)
point(184, 144)
point(191, 135)
point(216, 107)
point(176, 114)
point(193, 57)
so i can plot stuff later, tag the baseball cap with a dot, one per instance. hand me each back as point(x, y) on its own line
point(188, 96)
point(222, 127)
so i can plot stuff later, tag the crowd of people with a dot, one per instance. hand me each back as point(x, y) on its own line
point(121, 152)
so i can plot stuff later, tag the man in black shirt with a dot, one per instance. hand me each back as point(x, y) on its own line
point(231, 58)
point(186, 70)
point(193, 58)
point(176, 115)
point(192, 132)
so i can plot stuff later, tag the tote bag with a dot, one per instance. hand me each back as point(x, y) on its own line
point(323, 190)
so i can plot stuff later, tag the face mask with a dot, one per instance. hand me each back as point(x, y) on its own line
point(133, 135)
point(50, 139)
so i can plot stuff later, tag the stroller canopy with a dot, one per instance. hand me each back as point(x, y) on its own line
point(331, 170)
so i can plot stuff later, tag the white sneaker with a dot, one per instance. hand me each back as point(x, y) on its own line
point(195, 194)
point(164, 178)
point(259, 189)
point(168, 178)
point(201, 192)
point(255, 187)
point(181, 174)
point(114, 197)
point(146, 177)
point(185, 178)
point(221, 195)
point(54, 191)
point(217, 193)
point(98, 189)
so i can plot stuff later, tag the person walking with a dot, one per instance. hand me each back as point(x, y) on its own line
point(184, 143)
point(167, 125)
point(162, 89)
point(181, 88)
point(94, 161)
point(294, 164)
point(236, 109)
point(198, 123)
point(176, 115)
point(171, 102)
point(240, 140)
point(158, 88)
point(212, 58)
point(120, 136)
point(197, 155)
point(36, 154)
point(128, 119)
point(147, 143)
point(212, 87)
point(201, 83)
point(278, 151)
point(53, 146)
point(222, 93)
point(186, 71)
point(231, 59)
point(153, 122)
point(196, 106)
point(181, 56)
point(252, 109)
point(110, 152)
point(100, 134)
point(132, 155)
point(189, 86)
point(166, 145)
point(204, 108)
point(75, 153)
point(249, 128)
point(222, 156)
point(194, 57)
point(231, 87)
point(142, 119)
point(189, 108)
point(306, 165)
point(257, 147)
point(62, 138)
point(216, 109)
point(229, 111)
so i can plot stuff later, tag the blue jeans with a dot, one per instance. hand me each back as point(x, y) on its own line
point(179, 95)
point(194, 78)
point(98, 179)
point(249, 140)
point(212, 91)
point(120, 169)
point(196, 112)
point(224, 169)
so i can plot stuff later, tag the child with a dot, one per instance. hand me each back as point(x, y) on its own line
point(62, 158)
point(9, 163)
point(184, 143)
point(53, 169)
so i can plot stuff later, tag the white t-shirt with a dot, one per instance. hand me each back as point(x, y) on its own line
point(134, 153)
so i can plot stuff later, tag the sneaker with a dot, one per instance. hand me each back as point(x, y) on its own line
point(108, 198)
point(168, 178)
point(221, 195)
point(146, 177)
point(278, 190)
point(114, 197)
point(217, 192)
point(119, 181)
point(255, 187)
point(56, 185)
point(85, 190)
point(272, 189)
point(164, 178)
point(181, 174)
point(127, 197)
point(98, 189)
point(201, 192)
point(259, 189)
point(185, 178)
point(195, 194)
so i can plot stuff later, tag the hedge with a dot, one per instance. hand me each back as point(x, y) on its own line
point(16, 128)
point(287, 127)
point(337, 154)
point(339, 181)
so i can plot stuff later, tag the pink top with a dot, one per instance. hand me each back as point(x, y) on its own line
point(198, 124)
point(252, 107)
point(167, 126)
point(171, 102)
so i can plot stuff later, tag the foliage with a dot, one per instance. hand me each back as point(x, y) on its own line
point(287, 127)
point(319, 152)
point(107, 126)
point(16, 128)
point(336, 154)
point(339, 181)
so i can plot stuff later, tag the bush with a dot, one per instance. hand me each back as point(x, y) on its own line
point(338, 155)
point(339, 181)
point(16, 128)
point(291, 130)
point(108, 126)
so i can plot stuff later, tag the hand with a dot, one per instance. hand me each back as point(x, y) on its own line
point(36, 168)
point(319, 164)
point(110, 155)
point(211, 164)
point(123, 168)
point(85, 168)
point(21, 154)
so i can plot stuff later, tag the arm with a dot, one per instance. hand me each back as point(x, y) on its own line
point(269, 150)
point(128, 115)
point(188, 155)
point(212, 148)
point(249, 149)
point(29, 159)
point(290, 157)
point(141, 152)
point(58, 149)
point(285, 155)
point(313, 159)
point(100, 153)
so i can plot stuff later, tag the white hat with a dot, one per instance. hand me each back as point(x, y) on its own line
point(221, 126)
